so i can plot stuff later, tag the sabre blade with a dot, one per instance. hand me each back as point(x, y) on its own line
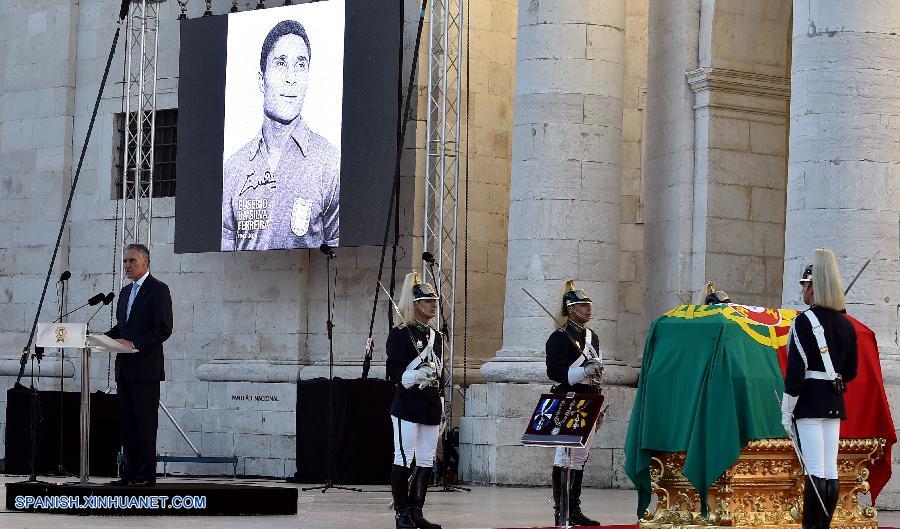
point(860, 272)
point(589, 347)
point(552, 317)
point(793, 436)
point(394, 305)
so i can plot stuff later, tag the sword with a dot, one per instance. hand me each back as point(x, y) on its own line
point(860, 272)
point(394, 305)
point(796, 445)
point(561, 326)
point(552, 317)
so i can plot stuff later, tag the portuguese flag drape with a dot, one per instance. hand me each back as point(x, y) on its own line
point(708, 385)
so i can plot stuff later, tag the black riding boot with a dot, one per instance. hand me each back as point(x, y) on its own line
point(400, 491)
point(832, 493)
point(421, 477)
point(556, 480)
point(813, 515)
point(576, 517)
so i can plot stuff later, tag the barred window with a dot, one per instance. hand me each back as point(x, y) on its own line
point(164, 151)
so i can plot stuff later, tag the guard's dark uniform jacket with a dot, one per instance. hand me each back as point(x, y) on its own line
point(562, 353)
point(419, 405)
point(818, 398)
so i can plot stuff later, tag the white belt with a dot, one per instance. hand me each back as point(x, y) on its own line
point(820, 375)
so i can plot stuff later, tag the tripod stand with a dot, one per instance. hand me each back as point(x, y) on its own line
point(34, 414)
point(329, 482)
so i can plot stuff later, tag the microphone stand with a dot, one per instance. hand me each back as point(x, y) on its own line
point(60, 467)
point(329, 483)
point(446, 443)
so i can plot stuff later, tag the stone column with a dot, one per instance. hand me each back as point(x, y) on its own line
point(844, 168)
point(566, 173)
point(669, 156)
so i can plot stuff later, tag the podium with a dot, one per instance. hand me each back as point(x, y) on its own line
point(564, 420)
point(76, 336)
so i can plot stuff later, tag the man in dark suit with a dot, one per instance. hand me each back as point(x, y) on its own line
point(143, 322)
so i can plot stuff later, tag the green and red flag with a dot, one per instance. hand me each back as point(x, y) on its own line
point(709, 379)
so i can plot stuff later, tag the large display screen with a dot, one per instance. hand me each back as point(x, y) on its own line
point(287, 126)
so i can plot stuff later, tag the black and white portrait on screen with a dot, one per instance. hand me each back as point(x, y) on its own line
point(283, 102)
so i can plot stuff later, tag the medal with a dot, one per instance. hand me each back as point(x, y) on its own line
point(545, 414)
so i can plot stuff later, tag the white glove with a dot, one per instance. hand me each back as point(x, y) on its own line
point(788, 403)
point(593, 368)
point(424, 374)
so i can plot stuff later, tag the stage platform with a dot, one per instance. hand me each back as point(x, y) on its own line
point(166, 498)
point(483, 508)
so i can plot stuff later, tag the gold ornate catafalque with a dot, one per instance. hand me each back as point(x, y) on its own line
point(763, 489)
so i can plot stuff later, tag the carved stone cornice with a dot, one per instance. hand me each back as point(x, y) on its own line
point(740, 91)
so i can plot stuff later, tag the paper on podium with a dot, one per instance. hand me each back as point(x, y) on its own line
point(104, 344)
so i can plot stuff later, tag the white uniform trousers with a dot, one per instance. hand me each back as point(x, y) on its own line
point(579, 457)
point(414, 439)
point(819, 444)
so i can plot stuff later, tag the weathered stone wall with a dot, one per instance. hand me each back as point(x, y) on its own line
point(492, 33)
point(630, 329)
point(38, 49)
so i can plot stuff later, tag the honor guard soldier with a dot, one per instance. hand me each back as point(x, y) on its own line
point(414, 364)
point(822, 358)
point(575, 369)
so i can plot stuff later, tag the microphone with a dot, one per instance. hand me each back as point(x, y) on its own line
point(105, 300)
point(327, 250)
point(428, 257)
point(64, 276)
point(97, 298)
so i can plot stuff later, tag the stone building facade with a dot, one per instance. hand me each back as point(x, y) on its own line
point(639, 146)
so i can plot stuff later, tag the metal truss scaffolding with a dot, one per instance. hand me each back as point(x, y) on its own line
point(442, 161)
point(139, 112)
